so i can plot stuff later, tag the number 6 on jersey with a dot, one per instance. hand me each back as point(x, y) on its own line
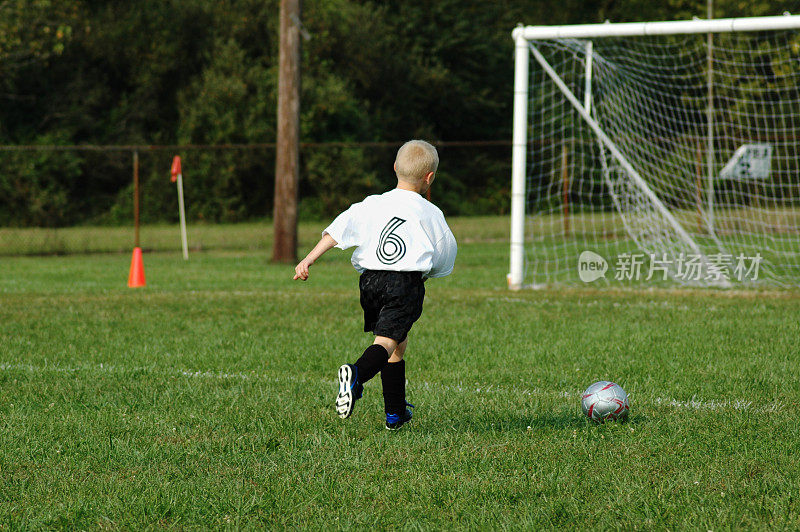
point(391, 247)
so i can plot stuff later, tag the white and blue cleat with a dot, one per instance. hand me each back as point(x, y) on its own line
point(350, 390)
point(396, 421)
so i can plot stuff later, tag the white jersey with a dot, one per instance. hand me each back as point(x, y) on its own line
point(398, 231)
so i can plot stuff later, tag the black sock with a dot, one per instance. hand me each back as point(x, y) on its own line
point(371, 362)
point(393, 377)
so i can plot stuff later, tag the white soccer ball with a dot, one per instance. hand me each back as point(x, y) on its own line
point(605, 401)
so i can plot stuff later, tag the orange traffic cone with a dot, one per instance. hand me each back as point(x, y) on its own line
point(136, 277)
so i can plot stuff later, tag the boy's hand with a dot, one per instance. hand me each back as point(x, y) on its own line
point(325, 243)
point(301, 270)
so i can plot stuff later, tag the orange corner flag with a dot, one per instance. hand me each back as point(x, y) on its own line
point(136, 276)
point(176, 168)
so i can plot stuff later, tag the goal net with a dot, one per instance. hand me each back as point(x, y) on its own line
point(657, 159)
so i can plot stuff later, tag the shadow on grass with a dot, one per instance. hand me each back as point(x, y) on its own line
point(567, 420)
point(521, 423)
point(503, 422)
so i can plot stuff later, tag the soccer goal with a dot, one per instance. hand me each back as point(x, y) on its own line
point(657, 153)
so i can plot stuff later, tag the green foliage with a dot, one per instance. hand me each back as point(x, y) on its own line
point(205, 72)
point(35, 30)
point(333, 190)
point(37, 188)
point(231, 103)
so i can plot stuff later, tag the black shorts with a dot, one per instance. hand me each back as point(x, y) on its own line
point(392, 302)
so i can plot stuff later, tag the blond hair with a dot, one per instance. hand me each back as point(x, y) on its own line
point(415, 159)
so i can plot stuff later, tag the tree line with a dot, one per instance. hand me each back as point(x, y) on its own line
point(203, 72)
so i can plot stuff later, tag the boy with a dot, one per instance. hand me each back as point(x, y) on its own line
point(401, 240)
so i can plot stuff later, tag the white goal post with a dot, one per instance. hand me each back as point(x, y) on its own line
point(645, 139)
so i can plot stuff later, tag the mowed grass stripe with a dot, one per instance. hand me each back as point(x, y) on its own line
point(329, 385)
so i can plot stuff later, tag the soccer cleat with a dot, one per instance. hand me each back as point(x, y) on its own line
point(395, 421)
point(350, 390)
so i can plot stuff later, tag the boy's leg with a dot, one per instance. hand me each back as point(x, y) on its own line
point(393, 377)
point(399, 351)
point(390, 345)
point(392, 302)
point(374, 358)
point(372, 287)
point(353, 376)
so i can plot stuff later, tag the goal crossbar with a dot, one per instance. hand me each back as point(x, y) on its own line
point(633, 29)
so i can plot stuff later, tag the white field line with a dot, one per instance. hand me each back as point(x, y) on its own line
point(694, 403)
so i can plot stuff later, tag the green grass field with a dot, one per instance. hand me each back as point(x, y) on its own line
point(205, 400)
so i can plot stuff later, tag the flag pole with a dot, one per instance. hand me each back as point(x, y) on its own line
point(177, 176)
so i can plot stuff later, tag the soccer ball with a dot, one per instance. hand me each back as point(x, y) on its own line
point(605, 401)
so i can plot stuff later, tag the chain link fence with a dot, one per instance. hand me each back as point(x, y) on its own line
point(80, 199)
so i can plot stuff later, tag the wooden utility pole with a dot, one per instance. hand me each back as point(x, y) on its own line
point(287, 160)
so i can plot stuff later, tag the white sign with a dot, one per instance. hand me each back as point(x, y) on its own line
point(751, 161)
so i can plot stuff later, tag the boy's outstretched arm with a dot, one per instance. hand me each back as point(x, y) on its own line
point(325, 243)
